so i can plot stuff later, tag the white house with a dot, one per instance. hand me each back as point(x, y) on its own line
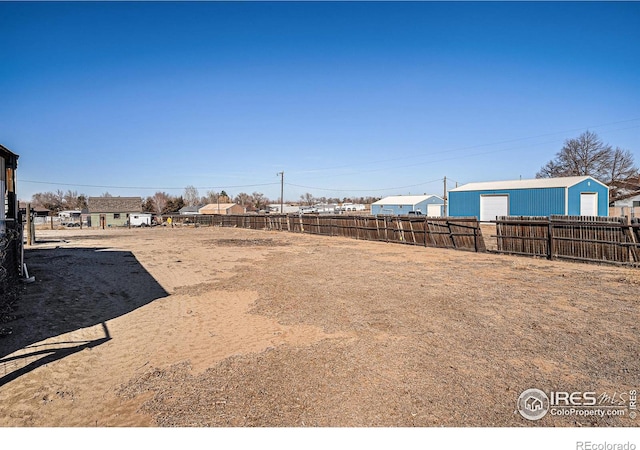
point(627, 205)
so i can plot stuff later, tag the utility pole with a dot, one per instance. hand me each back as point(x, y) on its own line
point(281, 191)
point(445, 196)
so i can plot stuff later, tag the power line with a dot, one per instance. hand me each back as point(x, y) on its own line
point(507, 141)
point(359, 172)
point(143, 187)
point(431, 161)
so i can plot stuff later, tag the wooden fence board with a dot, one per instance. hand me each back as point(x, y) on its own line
point(635, 236)
point(585, 238)
point(444, 232)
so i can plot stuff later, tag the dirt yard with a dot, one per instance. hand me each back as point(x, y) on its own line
point(230, 327)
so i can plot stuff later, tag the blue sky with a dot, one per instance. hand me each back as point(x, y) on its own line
point(347, 98)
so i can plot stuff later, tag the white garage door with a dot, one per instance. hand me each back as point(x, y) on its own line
point(492, 206)
point(589, 204)
point(434, 210)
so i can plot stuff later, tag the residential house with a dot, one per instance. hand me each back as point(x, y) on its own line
point(112, 211)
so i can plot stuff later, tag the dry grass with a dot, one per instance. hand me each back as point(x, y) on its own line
point(232, 327)
point(430, 338)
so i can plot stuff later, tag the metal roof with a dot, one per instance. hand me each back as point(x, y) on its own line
point(561, 182)
point(404, 199)
point(217, 207)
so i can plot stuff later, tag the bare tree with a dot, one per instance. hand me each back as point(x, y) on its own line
point(160, 200)
point(243, 199)
point(211, 197)
point(307, 199)
point(191, 196)
point(53, 201)
point(259, 200)
point(69, 199)
point(588, 155)
point(584, 155)
point(73, 200)
point(622, 171)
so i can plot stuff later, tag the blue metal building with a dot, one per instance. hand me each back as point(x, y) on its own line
point(574, 196)
point(398, 205)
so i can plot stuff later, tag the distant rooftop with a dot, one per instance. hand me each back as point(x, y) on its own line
point(404, 199)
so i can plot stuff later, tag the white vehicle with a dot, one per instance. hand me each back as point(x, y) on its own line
point(140, 220)
point(349, 207)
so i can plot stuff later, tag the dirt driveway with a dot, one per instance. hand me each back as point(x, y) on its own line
point(233, 327)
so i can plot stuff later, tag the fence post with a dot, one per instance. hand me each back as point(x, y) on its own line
point(386, 229)
point(475, 237)
point(550, 239)
point(453, 240)
point(355, 226)
point(425, 227)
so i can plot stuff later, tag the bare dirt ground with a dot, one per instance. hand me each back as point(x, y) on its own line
point(232, 327)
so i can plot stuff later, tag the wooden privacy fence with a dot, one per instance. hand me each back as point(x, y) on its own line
point(583, 238)
point(462, 233)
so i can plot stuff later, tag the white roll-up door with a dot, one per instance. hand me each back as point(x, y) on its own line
point(434, 210)
point(588, 203)
point(492, 206)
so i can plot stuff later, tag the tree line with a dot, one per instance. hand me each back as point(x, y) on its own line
point(164, 203)
point(158, 203)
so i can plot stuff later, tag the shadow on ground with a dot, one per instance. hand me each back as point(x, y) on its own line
point(75, 288)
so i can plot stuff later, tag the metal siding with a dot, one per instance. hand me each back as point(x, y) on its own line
point(422, 206)
point(522, 202)
point(536, 202)
point(394, 210)
point(402, 209)
point(588, 186)
point(464, 204)
point(435, 201)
